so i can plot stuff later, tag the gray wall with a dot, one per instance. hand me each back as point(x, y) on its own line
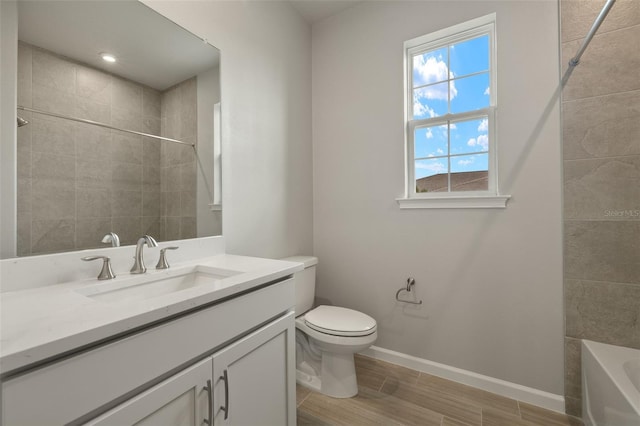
point(601, 139)
point(491, 280)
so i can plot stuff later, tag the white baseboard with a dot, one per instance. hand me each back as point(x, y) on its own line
point(501, 387)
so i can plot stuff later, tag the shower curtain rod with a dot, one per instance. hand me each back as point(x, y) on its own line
point(106, 126)
point(596, 24)
point(573, 63)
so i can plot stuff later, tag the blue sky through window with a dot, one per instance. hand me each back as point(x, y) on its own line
point(452, 79)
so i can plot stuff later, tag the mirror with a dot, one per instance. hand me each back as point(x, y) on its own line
point(87, 164)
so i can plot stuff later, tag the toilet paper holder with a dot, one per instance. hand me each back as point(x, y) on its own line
point(410, 283)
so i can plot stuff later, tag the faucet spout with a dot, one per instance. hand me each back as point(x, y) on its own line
point(138, 266)
point(111, 238)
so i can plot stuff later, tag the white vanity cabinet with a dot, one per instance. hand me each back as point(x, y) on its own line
point(170, 373)
point(244, 384)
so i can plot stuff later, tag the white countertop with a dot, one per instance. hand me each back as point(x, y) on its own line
point(40, 323)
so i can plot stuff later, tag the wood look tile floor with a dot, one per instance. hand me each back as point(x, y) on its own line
point(392, 395)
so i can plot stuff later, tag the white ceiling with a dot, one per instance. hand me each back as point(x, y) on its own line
point(316, 10)
point(150, 49)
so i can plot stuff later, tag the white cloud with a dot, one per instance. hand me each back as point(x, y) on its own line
point(420, 110)
point(484, 125)
point(482, 141)
point(432, 70)
point(440, 151)
point(466, 162)
point(432, 166)
point(487, 91)
point(429, 134)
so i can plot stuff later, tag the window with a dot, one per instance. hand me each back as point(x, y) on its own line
point(450, 117)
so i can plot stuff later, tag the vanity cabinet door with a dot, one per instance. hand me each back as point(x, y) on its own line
point(254, 378)
point(181, 400)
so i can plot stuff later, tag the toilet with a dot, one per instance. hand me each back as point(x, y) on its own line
point(327, 337)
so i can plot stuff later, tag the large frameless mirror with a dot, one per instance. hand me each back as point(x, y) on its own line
point(118, 129)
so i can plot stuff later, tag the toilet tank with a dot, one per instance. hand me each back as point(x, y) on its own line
point(305, 283)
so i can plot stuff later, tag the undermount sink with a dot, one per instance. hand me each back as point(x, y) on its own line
point(144, 287)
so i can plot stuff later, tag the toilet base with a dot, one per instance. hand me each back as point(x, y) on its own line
point(339, 375)
point(337, 379)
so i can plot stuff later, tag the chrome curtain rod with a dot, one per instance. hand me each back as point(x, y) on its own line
point(106, 126)
point(596, 24)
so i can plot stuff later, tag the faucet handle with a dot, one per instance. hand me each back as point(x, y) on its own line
point(106, 273)
point(162, 262)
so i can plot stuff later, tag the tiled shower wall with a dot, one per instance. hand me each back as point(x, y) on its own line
point(178, 196)
point(601, 156)
point(77, 182)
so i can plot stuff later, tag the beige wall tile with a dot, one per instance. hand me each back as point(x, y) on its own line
point(602, 127)
point(52, 135)
point(93, 174)
point(88, 109)
point(57, 169)
point(53, 100)
point(24, 74)
point(172, 204)
point(188, 203)
point(151, 103)
point(126, 96)
point(172, 228)
point(129, 229)
point(151, 204)
point(602, 251)
point(127, 120)
point(573, 407)
point(608, 66)
point(577, 16)
point(23, 165)
point(52, 202)
point(24, 134)
point(49, 236)
point(89, 234)
point(606, 189)
point(572, 370)
point(603, 311)
point(54, 72)
point(126, 148)
point(92, 143)
point(188, 177)
point(93, 203)
point(151, 149)
point(172, 178)
point(23, 199)
point(93, 85)
point(188, 228)
point(151, 226)
point(151, 178)
point(126, 204)
point(126, 176)
point(23, 243)
point(151, 126)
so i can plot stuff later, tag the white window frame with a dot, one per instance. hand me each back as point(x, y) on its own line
point(490, 198)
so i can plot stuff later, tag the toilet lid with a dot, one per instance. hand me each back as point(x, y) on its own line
point(340, 321)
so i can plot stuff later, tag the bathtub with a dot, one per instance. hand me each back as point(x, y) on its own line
point(610, 385)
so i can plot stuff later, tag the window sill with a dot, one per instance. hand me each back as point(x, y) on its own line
point(455, 202)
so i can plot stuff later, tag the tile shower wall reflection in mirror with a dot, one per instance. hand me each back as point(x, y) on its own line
point(78, 182)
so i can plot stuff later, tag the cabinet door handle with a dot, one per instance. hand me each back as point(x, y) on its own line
point(225, 377)
point(210, 400)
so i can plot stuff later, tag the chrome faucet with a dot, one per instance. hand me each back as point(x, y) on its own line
point(111, 238)
point(138, 266)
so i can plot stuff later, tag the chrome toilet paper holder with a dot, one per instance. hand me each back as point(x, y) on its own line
point(410, 283)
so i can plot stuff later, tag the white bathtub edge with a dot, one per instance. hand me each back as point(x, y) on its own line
point(515, 391)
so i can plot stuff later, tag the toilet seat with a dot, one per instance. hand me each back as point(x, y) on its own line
point(337, 321)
